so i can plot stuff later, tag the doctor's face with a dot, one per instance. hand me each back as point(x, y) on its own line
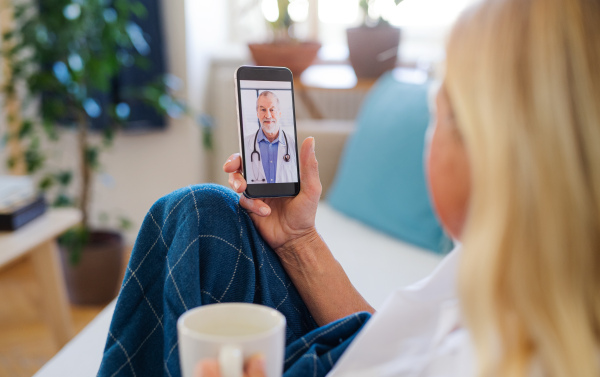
point(268, 114)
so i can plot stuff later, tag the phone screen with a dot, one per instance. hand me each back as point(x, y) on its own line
point(268, 131)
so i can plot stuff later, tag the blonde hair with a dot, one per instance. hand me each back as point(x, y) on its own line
point(523, 78)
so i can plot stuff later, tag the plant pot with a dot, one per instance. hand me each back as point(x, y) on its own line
point(373, 50)
point(96, 278)
point(297, 56)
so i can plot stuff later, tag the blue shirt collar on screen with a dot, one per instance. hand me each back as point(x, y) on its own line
point(263, 137)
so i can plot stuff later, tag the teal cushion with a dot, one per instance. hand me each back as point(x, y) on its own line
point(381, 180)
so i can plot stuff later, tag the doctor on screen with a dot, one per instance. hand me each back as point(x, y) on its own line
point(270, 151)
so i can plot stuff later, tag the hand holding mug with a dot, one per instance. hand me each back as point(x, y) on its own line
point(228, 334)
point(254, 367)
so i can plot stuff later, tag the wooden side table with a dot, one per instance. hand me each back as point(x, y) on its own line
point(341, 78)
point(37, 241)
point(327, 77)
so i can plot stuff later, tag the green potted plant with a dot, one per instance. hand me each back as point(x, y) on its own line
point(284, 50)
point(67, 55)
point(373, 46)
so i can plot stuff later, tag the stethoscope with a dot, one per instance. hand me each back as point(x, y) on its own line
point(286, 156)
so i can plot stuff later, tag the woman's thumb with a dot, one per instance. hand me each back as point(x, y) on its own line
point(309, 169)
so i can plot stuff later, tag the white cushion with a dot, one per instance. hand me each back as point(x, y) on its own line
point(375, 262)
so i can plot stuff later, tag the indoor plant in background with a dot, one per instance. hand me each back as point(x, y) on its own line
point(285, 50)
point(373, 46)
point(68, 56)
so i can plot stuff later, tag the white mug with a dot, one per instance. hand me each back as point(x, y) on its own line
point(231, 333)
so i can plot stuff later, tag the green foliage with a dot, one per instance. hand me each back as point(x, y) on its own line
point(92, 157)
point(34, 158)
point(124, 223)
point(46, 182)
point(207, 124)
point(367, 21)
point(11, 162)
point(64, 177)
point(63, 200)
point(282, 27)
point(26, 129)
point(284, 21)
point(364, 5)
point(66, 53)
point(61, 178)
point(50, 130)
point(74, 240)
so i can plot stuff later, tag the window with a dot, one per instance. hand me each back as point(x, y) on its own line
point(424, 23)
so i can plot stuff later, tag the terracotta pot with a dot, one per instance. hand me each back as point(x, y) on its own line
point(297, 56)
point(96, 278)
point(373, 50)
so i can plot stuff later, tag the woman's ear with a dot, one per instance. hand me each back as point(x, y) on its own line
point(448, 170)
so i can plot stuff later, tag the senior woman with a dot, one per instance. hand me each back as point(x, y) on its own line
point(514, 173)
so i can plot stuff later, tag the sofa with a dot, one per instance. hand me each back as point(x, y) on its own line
point(381, 229)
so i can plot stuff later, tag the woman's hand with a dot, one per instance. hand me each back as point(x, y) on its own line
point(282, 220)
point(254, 367)
point(288, 226)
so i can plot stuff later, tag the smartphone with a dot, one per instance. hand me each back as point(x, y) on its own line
point(267, 131)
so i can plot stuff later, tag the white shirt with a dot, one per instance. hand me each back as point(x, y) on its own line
point(417, 332)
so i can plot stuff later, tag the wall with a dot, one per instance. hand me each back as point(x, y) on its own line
point(207, 32)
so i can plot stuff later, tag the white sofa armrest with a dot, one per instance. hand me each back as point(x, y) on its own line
point(81, 357)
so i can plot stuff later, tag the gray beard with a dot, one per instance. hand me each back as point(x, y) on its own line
point(271, 129)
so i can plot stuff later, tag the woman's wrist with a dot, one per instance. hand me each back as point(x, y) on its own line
point(320, 279)
point(302, 252)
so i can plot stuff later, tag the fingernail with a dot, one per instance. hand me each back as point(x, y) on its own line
point(313, 143)
point(258, 363)
point(264, 211)
point(236, 184)
point(203, 367)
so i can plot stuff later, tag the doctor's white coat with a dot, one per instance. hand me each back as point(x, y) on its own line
point(286, 171)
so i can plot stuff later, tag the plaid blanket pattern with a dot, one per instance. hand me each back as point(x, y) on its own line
point(197, 246)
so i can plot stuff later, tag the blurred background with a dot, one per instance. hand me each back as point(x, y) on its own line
point(109, 105)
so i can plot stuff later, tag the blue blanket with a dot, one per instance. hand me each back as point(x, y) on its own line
point(197, 246)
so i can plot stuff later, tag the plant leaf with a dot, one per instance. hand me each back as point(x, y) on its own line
point(74, 241)
point(91, 157)
point(26, 129)
point(64, 177)
point(63, 200)
point(125, 223)
point(34, 158)
point(46, 182)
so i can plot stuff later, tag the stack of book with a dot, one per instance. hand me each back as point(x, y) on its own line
point(19, 202)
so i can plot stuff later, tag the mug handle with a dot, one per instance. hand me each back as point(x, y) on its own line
point(231, 361)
